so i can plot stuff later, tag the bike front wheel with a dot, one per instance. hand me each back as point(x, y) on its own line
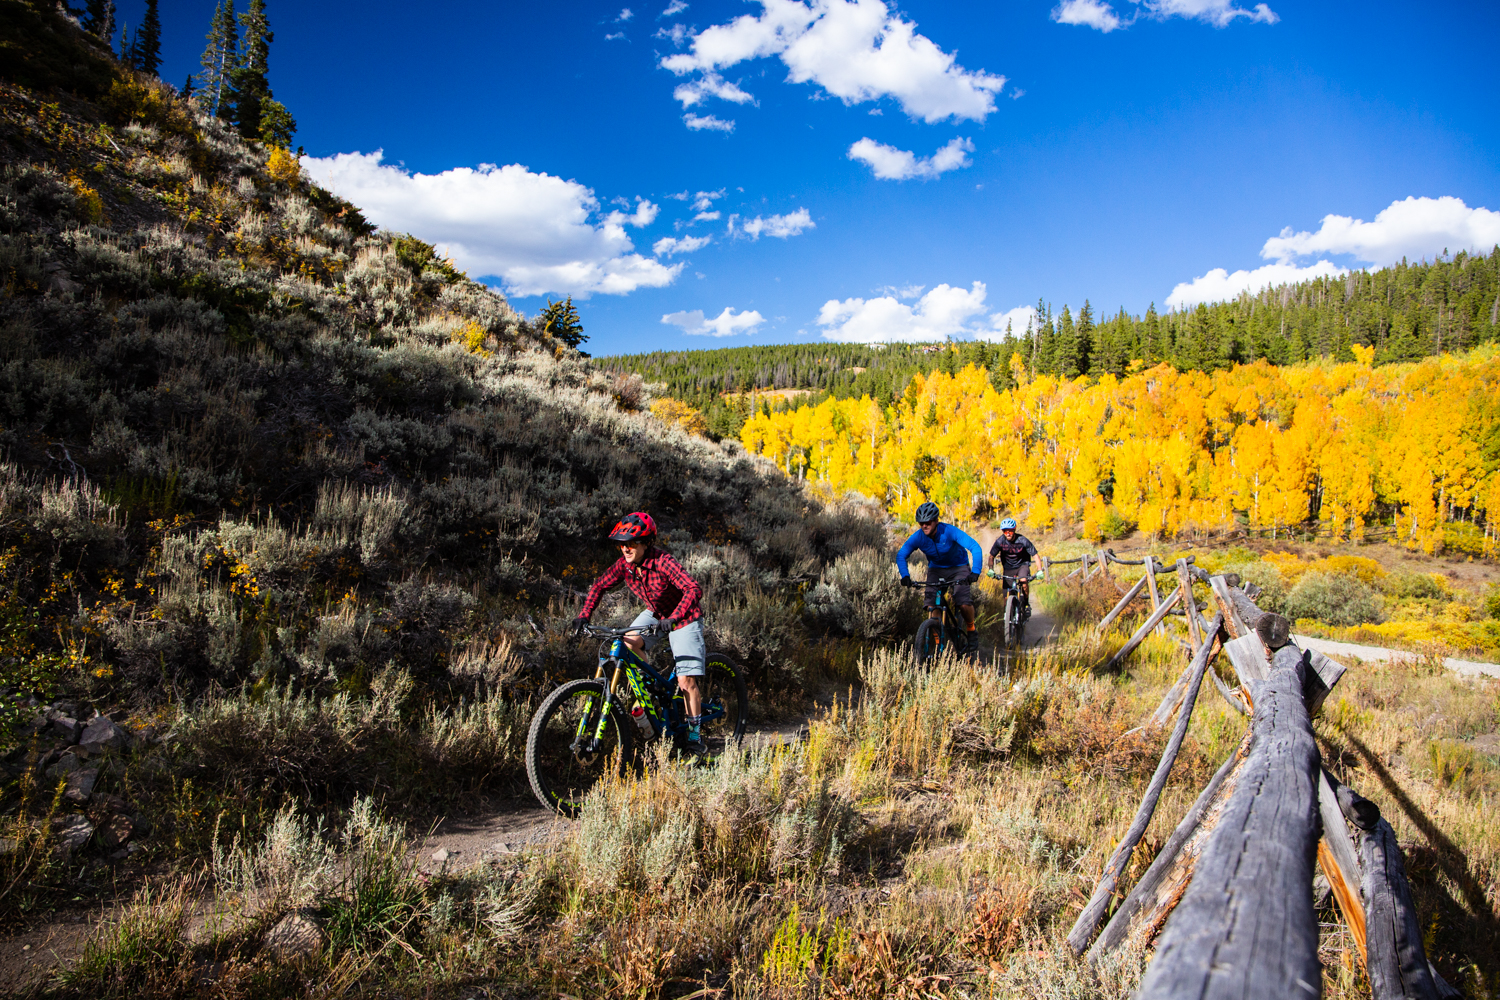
point(929, 641)
point(724, 688)
point(1012, 623)
point(565, 753)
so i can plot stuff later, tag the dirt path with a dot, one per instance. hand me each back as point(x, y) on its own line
point(1328, 647)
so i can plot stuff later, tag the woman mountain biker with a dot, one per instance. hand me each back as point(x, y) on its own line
point(949, 553)
point(672, 609)
point(1015, 552)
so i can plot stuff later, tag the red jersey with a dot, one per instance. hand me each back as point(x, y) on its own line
point(659, 580)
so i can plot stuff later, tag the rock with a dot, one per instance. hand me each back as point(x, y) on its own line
point(440, 855)
point(102, 734)
point(116, 832)
point(68, 728)
point(104, 805)
point(294, 936)
point(81, 784)
point(66, 764)
point(73, 832)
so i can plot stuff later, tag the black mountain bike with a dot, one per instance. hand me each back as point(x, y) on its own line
point(947, 631)
point(1017, 610)
point(586, 727)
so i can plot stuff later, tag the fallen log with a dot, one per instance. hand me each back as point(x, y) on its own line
point(1395, 960)
point(1088, 920)
point(1245, 926)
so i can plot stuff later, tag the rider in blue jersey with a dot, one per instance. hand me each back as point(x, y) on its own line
point(950, 554)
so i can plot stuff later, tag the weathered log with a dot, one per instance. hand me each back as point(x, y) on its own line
point(1151, 585)
point(1340, 864)
point(1088, 920)
point(1222, 595)
point(1140, 633)
point(1158, 889)
point(1189, 604)
point(1130, 595)
point(1245, 926)
point(1395, 960)
point(1229, 696)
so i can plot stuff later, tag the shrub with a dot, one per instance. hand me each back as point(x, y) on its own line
point(1415, 586)
point(1265, 576)
point(283, 166)
point(861, 596)
point(1334, 599)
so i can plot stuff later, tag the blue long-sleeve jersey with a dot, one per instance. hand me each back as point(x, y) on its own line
point(944, 550)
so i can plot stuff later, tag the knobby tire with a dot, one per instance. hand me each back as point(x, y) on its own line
point(561, 778)
point(929, 641)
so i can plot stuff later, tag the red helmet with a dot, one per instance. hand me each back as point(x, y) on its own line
point(633, 526)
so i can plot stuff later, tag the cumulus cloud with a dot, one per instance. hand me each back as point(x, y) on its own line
point(1099, 14)
point(1015, 322)
point(673, 8)
point(942, 313)
point(700, 122)
point(726, 324)
point(533, 231)
point(706, 217)
point(1090, 13)
point(890, 163)
point(1220, 285)
point(856, 50)
point(1414, 228)
point(667, 246)
point(779, 226)
point(710, 85)
point(676, 34)
point(704, 200)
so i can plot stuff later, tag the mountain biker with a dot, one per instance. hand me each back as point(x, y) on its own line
point(1015, 552)
point(949, 553)
point(672, 610)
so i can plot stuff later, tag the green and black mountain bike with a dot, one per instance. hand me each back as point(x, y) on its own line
point(947, 631)
point(1017, 610)
point(588, 726)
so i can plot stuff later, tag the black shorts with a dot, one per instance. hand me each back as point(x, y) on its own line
point(1021, 572)
point(957, 576)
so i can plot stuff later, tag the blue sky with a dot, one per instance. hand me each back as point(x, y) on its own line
point(1121, 165)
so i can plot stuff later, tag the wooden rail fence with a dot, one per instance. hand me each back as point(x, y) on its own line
point(1228, 900)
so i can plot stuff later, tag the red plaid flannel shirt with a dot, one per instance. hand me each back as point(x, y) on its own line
point(660, 581)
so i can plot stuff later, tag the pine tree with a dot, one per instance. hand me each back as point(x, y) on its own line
point(560, 320)
point(1065, 350)
point(145, 50)
point(127, 49)
point(252, 88)
point(221, 55)
point(1086, 339)
point(99, 18)
point(277, 126)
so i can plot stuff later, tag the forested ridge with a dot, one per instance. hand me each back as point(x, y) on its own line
point(1406, 312)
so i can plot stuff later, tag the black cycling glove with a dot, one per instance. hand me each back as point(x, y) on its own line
point(907, 581)
point(578, 624)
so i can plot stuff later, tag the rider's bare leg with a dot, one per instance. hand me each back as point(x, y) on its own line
point(968, 613)
point(637, 644)
point(692, 695)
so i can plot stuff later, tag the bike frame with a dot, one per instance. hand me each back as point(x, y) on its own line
point(639, 677)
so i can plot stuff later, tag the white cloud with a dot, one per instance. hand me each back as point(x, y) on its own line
point(675, 7)
point(534, 231)
point(890, 163)
point(726, 324)
point(1413, 228)
point(706, 217)
point(1014, 323)
point(617, 36)
point(1219, 285)
point(1099, 14)
point(668, 246)
point(676, 34)
point(1219, 13)
point(679, 196)
point(710, 85)
point(625, 15)
point(779, 226)
point(856, 50)
point(700, 122)
point(940, 314)
point(1090, 13)
point(704, 200)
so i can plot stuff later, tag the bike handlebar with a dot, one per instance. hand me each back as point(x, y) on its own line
point(603, 632)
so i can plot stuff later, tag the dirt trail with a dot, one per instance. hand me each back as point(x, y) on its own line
point(1328, 647)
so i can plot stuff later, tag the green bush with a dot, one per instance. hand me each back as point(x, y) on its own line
point(1334, 599)
point(1265, 576)
point(861, 596)
point(1415, 586)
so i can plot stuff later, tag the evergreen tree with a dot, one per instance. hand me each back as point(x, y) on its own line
point(1065, 349)
point(1085, 339)
point(99, 19)
point(220, 56)
point(127, 50)
point(560, 320)
point(252, 88)
point(145, 50)
point(277, 126)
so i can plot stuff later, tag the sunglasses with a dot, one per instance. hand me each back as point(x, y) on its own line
point(926, 523)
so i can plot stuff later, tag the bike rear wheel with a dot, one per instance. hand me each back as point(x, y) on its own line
point(561, 762)
point(929, 641)
point(724, 683)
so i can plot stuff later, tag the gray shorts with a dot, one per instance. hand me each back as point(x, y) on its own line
point(958, 576)
point(688, 648)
